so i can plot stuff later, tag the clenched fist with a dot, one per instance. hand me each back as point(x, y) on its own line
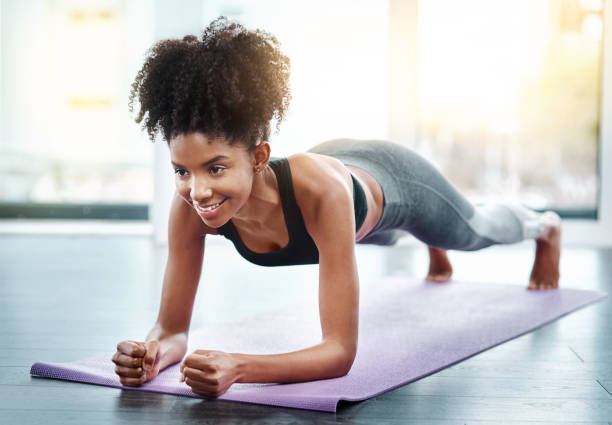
point(137, 362)
point(209, 372)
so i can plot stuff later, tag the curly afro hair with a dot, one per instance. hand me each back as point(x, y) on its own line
point(230, 83)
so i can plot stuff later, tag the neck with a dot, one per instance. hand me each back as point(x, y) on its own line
point(264, 199)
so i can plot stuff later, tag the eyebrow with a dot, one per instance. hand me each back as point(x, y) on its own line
point(216, 158)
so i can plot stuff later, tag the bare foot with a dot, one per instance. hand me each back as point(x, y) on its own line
point(440, 269)
point(545, 272)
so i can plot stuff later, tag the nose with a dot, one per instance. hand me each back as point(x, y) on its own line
point(200, 190)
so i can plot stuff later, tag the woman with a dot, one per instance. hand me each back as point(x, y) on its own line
point(213, 100)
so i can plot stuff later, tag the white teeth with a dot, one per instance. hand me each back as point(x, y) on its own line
point(212, 207)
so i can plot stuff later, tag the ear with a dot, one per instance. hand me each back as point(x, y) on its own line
point(261, 154)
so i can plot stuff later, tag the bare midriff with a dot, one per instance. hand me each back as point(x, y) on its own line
point(374, 197)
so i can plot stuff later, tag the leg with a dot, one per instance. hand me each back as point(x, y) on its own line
point(421, 201)
point(439, 215)
point(545, 272)
point(492, 224)
point(545, 228)
point(440, 269)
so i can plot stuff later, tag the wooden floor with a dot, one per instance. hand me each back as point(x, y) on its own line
point(63, 298)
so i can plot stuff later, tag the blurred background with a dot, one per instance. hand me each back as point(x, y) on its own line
point(504, 96)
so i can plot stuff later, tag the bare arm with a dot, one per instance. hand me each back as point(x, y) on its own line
point(186, 234)
point(332, 227)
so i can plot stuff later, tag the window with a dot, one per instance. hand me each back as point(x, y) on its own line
point(69, 147)
point(509, 99)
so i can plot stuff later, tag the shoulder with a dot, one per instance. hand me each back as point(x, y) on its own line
point(313, 173)
point(317, 178)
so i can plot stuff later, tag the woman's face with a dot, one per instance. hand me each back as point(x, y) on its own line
point(208, 171)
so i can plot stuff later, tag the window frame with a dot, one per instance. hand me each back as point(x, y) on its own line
point(37, 213)
point(74, 211)
point(599, 232)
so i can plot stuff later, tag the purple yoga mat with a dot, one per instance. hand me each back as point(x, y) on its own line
point(408, 329)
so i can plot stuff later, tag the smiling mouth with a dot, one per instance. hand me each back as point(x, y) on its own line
point(211, 207)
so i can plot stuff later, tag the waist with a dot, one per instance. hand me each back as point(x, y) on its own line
point(360, 203)
point(374, 200)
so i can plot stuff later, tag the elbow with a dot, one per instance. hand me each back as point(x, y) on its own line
point(346, 358)
point(350, 358)
point(346, 365)
point(345, 370)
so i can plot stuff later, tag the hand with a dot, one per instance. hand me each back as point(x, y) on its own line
point(137, 362)
point(209, 373)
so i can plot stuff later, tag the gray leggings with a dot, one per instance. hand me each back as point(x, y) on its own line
point(419, 200)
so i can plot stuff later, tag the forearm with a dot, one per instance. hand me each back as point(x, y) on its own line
point(328, 359)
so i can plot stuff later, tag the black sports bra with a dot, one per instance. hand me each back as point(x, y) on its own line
point(301, 249)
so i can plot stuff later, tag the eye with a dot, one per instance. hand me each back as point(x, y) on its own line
point(216, 167)
point(178, 172)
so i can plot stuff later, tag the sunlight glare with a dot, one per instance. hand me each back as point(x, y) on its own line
point(592, 26)
point(475, 55)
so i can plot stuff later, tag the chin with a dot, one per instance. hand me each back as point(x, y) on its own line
point(217, 224)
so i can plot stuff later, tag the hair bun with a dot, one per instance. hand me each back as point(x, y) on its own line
point(190, 38)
